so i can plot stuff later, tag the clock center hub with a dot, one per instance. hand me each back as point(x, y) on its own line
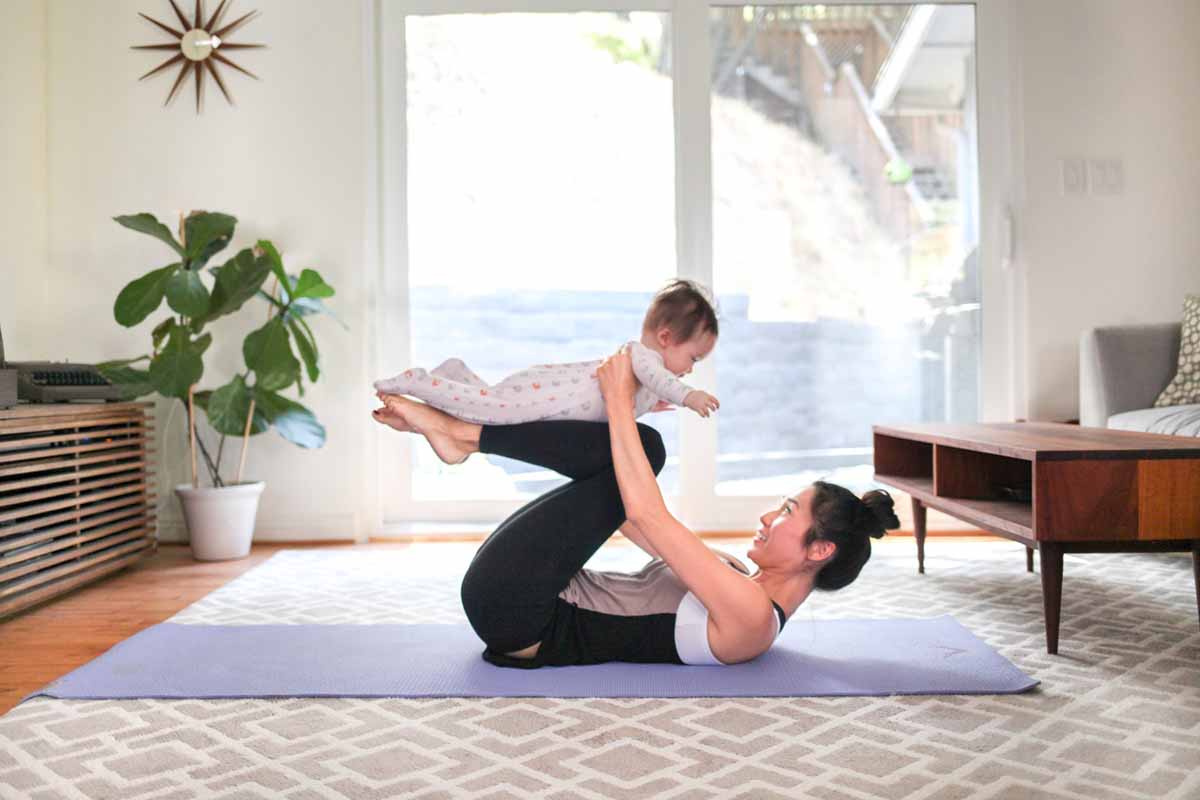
point(197, 44)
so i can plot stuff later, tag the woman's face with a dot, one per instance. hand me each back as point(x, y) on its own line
point(779, 542)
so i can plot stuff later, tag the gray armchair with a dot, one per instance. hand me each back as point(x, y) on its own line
point(1122, 370)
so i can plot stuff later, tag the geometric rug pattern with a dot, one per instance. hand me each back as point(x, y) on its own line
point(1117, 714)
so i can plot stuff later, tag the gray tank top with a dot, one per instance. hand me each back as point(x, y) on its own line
point(653, 590)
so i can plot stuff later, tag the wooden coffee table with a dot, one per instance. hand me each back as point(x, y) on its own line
point(1052, 487)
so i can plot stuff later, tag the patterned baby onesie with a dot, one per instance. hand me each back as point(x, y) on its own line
point(542, 392)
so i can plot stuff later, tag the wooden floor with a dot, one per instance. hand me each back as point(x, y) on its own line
point(50, 640)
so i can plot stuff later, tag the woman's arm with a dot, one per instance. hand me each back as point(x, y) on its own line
point(634, 535)
point(740, 614)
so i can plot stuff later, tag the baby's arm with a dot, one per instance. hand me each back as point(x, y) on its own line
point(657, 378)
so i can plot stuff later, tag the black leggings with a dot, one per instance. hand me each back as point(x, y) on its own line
point(511, 589)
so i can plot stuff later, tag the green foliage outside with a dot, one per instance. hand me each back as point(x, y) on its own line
point(623, 40)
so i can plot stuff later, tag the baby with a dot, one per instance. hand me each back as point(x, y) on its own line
point(679, 329)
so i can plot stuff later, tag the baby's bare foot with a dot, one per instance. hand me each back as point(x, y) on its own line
point(434, 425)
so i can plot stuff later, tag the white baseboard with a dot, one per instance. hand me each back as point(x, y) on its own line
point(278, 528)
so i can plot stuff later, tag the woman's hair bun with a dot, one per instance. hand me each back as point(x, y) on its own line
point(881, 505)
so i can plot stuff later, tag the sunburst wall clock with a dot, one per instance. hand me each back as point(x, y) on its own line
point(201, 46)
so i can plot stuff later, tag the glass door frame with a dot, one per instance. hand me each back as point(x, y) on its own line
point(697, 504)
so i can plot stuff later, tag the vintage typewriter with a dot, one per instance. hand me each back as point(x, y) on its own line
point(53, 381)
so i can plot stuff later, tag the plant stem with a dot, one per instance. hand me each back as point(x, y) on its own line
point(194, 436)
point(213, 471)
point(220, 450)
point(191, 418)
point(245, 440)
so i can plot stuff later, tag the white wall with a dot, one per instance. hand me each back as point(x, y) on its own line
point(23, 62)
point(83, 140)
point(288, 161)
point(1105, 78)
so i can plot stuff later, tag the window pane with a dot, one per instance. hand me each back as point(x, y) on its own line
point(541, 203)
point(845, 233)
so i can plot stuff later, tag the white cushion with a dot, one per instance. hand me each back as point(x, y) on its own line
point(1174, 420)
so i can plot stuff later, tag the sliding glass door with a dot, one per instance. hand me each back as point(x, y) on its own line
point(845, 233)
point(816, 165)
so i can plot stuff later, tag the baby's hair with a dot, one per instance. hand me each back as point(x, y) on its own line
point(684, 308)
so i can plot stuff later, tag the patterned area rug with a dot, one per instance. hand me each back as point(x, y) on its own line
point(1117, 714)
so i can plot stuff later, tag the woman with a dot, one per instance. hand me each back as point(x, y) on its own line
point(529, 599)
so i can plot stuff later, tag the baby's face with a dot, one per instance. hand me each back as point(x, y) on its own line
point(680, 358)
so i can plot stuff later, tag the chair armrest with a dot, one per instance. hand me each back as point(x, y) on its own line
point(1123, 368)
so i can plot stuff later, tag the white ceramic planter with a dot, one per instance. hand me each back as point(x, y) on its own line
point(220, 521)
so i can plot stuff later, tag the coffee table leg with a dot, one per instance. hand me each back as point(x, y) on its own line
point(1196, 570)
point(919, 532)
point(1051, 591)
point(1029, 559)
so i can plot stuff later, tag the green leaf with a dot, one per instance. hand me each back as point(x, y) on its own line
point(310, 284)
point(282, 308)
point(149, 225)
point(311, 306)
point(307, 346)
point(269, 353)
point(236, 282)
point(276, 263)
point(122, 362)
point(206, 234)
point(262, 294)
point(228, 406)
point(187, 294)
point(130, 381)
point(178, 366)
point(169, 327)
point(199, 262)
point(293, 421)
point(161, 331)
point(140, 297)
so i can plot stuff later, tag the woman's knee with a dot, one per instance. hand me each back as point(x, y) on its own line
point(476, 587)
point(478, 603)
point(486, 587)
point(499, 610)
point(652, 443)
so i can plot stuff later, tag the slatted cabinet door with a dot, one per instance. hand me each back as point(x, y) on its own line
point(76, 496)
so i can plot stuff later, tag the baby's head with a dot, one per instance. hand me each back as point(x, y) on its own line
point(681, 325)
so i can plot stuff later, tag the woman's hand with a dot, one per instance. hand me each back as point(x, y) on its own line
point(617, 382)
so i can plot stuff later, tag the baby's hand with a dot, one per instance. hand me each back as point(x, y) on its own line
point(702, 403)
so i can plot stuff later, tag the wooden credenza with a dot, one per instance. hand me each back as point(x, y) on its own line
point(76, 496)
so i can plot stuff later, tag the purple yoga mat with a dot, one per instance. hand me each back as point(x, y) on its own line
point(832, 657)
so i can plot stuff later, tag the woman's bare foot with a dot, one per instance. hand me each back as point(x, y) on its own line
point(386, 416)
point(453, 440)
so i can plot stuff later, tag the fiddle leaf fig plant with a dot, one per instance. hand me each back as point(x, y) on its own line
point(277, 355)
